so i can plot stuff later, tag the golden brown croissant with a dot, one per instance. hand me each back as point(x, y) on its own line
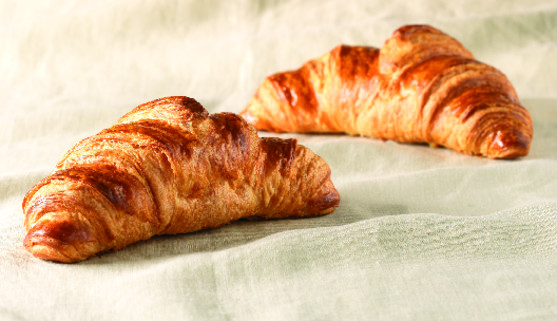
point(422, 87)
point(169, 167)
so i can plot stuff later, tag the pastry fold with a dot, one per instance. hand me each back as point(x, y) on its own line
point(422, 86)
point(169, 167)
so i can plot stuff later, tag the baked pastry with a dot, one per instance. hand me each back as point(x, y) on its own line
point(422, 86)
point(168, 167)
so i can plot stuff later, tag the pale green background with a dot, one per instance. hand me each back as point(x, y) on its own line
point(420, 234)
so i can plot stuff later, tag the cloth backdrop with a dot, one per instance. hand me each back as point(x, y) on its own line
point(420, 233)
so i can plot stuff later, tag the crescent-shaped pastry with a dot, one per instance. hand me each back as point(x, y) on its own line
point(422, 86)
point(169, 167)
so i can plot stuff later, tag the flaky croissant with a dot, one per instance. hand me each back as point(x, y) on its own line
point(423, 86)
point(169, 167)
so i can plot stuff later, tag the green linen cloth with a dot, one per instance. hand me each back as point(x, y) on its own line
point(420, 233)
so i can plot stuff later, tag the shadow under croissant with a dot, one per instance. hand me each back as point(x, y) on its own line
point(237, 234)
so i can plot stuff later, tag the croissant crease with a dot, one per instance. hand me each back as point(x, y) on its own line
point(168, 167)
point(422, 86)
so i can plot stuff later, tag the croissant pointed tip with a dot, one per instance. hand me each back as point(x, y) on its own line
point(328, 202)
point(506, 142)
point(245, 114)
point(257, 122)
point(47, 253)
point(59, 242)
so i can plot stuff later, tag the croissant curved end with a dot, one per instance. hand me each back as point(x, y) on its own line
point(260, 123)
point(330, 198)
point(47, 253)
point(249, 118)
point(503, 135)
point(507, 143)
point(63, 242)
point(325, 196)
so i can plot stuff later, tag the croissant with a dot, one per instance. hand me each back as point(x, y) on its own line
point(422, 86)
point(169, 167)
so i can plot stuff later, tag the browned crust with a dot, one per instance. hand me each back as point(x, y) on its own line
point(169, 167)
point(422, 86)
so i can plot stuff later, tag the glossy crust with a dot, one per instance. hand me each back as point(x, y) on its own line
point(422, 87)
point(169, 167)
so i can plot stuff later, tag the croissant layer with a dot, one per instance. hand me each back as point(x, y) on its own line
point(422, 86)
point(169, 167)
